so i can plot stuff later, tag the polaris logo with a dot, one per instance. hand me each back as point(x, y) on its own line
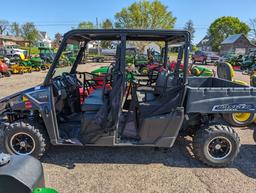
point(234, 107)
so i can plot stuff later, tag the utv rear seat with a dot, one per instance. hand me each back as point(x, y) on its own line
point(148, 93)
point(94, 101)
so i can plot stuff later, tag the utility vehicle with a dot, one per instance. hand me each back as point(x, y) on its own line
point(68, 108)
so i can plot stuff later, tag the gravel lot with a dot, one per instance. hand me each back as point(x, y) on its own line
point(96, 169)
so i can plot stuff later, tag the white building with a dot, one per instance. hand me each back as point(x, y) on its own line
point(44, 40)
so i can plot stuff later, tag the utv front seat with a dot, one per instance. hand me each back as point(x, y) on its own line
point(97, 108)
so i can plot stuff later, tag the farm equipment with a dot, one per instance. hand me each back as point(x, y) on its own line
point(126, 112)
point(23, 174)
point(4, 70)
point(46, 54)
point(201, 71)
point(33, 64)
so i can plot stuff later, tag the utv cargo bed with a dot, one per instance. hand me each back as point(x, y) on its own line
point(212, 95)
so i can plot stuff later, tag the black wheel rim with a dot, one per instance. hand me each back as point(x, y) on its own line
point(22, 144)
point(219, 148)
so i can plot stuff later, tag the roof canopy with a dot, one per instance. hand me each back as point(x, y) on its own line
point(172, 36)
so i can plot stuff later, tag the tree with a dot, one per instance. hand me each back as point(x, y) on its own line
point(189, 26)
point(29, 32)
point(253, 30)
point(15, 29)
point(107, 24)
point(57, 40)
point(86, 25)
point(145, 15)
point(3, 26)
point(223, 27)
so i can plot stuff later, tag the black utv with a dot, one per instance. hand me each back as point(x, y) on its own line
point(72, 107)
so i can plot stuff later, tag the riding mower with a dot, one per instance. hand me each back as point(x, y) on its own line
point(27, 177)
point(4, 70)
point(46, 54)
point(225, 71)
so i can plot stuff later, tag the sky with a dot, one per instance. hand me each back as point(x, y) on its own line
point(62, 15)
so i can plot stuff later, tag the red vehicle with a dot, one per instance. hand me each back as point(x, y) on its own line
point(4, 70)
point(204, 57)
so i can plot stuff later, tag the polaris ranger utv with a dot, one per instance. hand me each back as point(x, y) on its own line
point(69, 108)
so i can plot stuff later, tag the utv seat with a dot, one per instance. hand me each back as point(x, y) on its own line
point(94, 101)
point(148, 94)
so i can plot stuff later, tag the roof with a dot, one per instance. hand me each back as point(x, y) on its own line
point(174, 36)
point(232, 39)
point(205, 41)
point(12, 38)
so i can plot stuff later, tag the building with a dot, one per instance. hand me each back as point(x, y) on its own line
point(6, 40)
point(44, 40)
point(237, 43)
point(205, 44)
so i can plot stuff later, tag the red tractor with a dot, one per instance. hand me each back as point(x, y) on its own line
point(4, 70)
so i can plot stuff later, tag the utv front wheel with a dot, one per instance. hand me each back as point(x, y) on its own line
point(216, 145)
point(25, 138)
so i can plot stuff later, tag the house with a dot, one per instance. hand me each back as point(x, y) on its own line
point(152, 46)
point(237, 43)
point(205, 44)
point(44, 40)
point(6, 40)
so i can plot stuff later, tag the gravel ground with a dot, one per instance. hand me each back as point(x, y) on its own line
point(98, 169)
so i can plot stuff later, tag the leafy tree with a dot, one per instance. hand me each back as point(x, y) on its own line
point(86, 25)
point(29, 32)
point(145, 15)
point(3, 26)
point(225, 26)
point(107, 24)
point(253, 29)
point(189, 26)
point(57, 40)
point(15, 29)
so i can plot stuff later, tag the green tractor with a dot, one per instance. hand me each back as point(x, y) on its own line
point(46, 54)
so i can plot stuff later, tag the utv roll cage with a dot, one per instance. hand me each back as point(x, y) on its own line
point(86, 35)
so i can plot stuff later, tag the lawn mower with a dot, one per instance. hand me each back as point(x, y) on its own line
point(126, 112)
point(4, 70)
point(22, 174)
point(46, 54)
point(201, 71)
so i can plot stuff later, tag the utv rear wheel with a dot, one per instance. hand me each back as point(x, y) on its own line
point(216, 145)
point(239, 119)
point(26, 138)
point(254, 135)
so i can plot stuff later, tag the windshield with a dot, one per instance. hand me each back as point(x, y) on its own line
point(67, 58)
